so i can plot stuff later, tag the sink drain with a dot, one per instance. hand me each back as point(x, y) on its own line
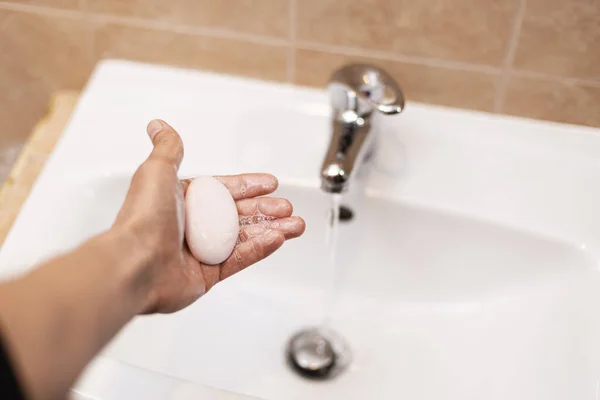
point(317, 354)
point(346, 214)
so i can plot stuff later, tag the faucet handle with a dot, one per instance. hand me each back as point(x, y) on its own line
point(362, 88)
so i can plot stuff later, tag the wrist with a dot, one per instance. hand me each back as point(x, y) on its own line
point(133, 262)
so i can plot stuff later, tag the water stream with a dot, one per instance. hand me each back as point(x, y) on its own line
point(331, 240)
point(319, 352)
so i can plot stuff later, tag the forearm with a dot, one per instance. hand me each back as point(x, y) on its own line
point(57, 318)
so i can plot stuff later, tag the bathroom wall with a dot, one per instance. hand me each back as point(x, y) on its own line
point(533, 58)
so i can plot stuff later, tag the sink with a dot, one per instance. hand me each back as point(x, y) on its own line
point(425, 296)
point(469, 270)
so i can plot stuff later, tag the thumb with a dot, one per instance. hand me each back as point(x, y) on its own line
point(168, 147)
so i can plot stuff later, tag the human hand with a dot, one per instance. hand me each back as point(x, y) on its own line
point(153, 215)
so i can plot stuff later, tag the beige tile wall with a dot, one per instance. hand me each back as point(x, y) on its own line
point(533, 58)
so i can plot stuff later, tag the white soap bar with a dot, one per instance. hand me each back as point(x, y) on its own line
point(211, 220)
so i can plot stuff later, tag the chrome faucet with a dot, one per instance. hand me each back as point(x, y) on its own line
point(357, 91)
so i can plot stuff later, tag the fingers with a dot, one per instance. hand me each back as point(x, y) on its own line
point(279, 213)
point(246, 186)
point(185, 184)
point(272, 207)
point(168, 147)
point(251, 252)
point(257, 243)
point(291, 228)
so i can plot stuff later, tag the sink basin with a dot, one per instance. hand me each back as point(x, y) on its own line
point(469, 270)
point(425, 296)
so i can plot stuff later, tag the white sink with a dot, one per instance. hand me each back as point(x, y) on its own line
point(469, 270)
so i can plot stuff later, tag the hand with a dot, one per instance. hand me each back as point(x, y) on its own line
point(153, 214)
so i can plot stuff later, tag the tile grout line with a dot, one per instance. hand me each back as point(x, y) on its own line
point(555, 78)
point(42, 10)
point(510, 57)
point(188, 29)
point(291, 67)
point(382, 55)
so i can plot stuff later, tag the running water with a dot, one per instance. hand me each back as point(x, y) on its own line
point(331, 240)
point(319, 352)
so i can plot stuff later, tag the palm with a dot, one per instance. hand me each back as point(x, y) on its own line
point(265, 224)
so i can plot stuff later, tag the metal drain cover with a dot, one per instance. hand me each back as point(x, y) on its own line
point(316, 354)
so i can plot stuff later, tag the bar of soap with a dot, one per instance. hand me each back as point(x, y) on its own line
point(211, 220)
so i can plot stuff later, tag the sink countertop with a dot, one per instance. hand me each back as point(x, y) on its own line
point(33, 157)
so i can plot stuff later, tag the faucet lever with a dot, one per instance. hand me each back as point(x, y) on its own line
point(362, 88)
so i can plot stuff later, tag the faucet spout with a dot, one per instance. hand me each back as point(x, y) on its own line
point(349, 144)
point(334, 179)
point(357, 91)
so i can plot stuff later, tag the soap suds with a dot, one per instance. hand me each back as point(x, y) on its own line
point(259, 219)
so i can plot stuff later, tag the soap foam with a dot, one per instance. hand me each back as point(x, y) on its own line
point(259, 219)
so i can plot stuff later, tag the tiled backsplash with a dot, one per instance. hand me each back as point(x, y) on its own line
point(533, 58)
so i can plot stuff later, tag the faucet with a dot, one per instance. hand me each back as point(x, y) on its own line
point(356, 91)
